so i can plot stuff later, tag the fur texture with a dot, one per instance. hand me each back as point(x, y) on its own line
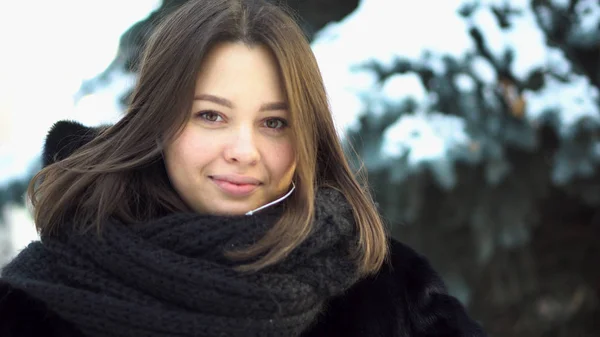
point(23, 316)
point(64, 138)
point(405, 299)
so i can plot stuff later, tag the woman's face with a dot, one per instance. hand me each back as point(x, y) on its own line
point(235, 153)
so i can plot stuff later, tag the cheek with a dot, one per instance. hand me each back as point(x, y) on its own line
point(173, 161)
point(282, 159)
point(184, 153)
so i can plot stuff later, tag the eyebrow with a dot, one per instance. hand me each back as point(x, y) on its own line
point(227, 103)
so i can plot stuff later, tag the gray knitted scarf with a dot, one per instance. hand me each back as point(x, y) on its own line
point(168, 277)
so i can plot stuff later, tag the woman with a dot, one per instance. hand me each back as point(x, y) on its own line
point(220, 205)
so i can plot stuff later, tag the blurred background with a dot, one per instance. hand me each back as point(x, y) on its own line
point(478, 123)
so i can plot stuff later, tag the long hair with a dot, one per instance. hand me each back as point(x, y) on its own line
point(121, 173)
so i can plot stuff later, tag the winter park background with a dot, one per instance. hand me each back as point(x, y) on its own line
point(478, 123)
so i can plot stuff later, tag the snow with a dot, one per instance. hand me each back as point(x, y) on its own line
point(528, 42)
point(434, 62)
point(336, 50)
point(523, 35)
point(585, 33)
point(495, 38)
point(21, 227)
point(38, 81)
point(369, 24)
point(424, 137)
point(342, 46)
point(400, 87)
point(573, 101)
point(464, 83)
point(98, 108)
point(346, 90)
point(102, 106)
point(560, 3)
point(589, 11)
point(483, 70)
point(545, 16)
point(557, 62)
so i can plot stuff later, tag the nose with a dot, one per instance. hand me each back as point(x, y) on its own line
point(242, 148)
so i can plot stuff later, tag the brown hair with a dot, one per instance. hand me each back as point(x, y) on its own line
point(112, 174)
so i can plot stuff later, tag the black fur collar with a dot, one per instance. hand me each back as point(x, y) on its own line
point(64, 138)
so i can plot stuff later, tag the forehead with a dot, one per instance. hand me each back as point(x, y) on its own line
point(232, 68)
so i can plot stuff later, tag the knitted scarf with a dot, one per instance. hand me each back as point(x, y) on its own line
point(169, 277)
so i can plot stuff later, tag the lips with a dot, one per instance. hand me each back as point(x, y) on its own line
point(236, 179)
point(235, 185)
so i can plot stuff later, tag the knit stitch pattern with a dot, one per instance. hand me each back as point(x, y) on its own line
point(169, 277)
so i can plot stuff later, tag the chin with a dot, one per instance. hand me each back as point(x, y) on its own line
point(227, 209)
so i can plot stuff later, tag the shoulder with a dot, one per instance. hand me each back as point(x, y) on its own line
point(24, 316)
point(406, 298)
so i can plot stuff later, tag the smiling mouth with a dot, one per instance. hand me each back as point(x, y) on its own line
point(238, 188)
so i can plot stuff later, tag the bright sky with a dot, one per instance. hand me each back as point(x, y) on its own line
point(46, 54)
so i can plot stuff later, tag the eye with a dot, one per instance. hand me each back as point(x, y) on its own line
point(209, 116)
point(276, 123)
